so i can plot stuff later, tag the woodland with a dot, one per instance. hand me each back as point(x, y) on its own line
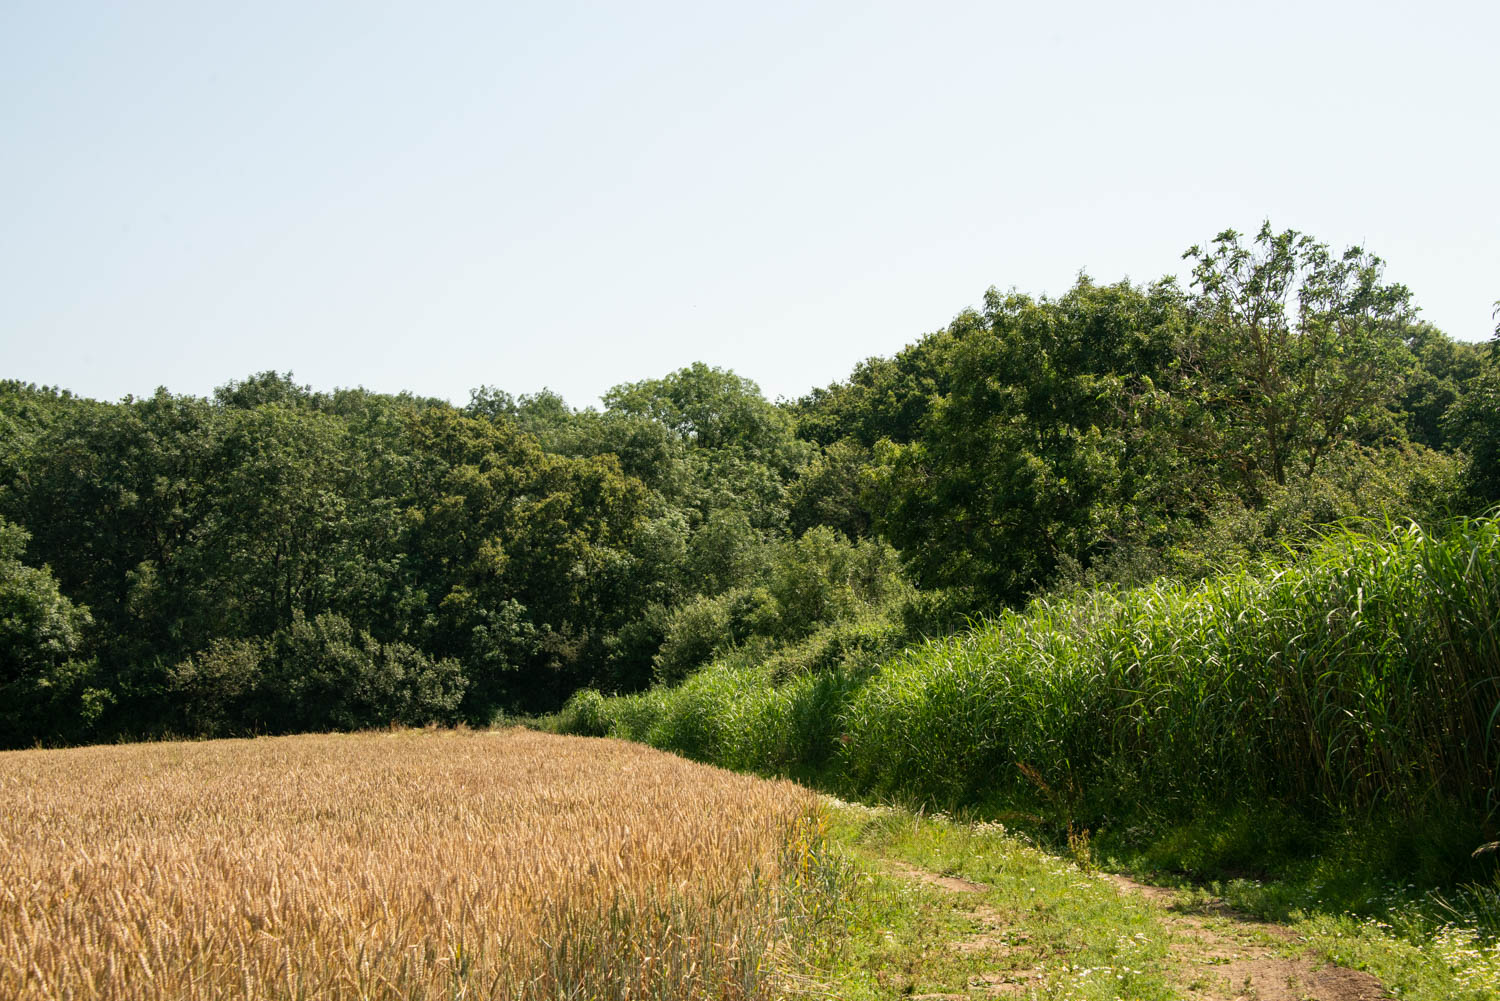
point(275, 558)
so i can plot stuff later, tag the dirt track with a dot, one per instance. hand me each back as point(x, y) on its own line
point(1219, 954)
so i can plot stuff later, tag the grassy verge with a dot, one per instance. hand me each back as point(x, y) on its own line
point(1037, 924)
point(1030, 923)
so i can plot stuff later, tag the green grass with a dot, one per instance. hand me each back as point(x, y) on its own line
point(1039, 922)
point(1044, 921)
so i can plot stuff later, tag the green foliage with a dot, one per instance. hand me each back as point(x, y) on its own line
point(285, 502)
point(44, 690)
point(771, 707)
point(322, 674)
point(1119, 432)
point(215, 689)
point(584, 714)
point(1356, 487)
point(823, 577)
point(1473, 422)
point(281, 389)
point(189, 527)
point(263, 388)
point(1363, 677)
point(835, 490)
point(1044, 448)
point(39, 627)
point(713, 408)
point(316, 674)
point(1443, 369)
point(884, 399)
point(1112, 435)
point(731, 716)
point(736, 451)
point(1296, 350)
point(725, 551)
point(515, 547)
point(810, 583)
point(693, 632)
point(855, 645)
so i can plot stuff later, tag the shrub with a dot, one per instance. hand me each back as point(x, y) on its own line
point(317, 674)
point(215, 686)
point(584, 714)
point(45, 685)
point(694, 631)
point(822, 577)
point(322, 674)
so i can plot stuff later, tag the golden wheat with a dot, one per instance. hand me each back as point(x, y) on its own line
point(415, 865)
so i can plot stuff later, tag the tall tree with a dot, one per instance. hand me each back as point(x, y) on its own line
point(1045, 444)
point(1296, 349)
point(1474, 423)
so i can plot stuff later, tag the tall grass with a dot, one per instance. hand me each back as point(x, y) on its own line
point(1365, 675)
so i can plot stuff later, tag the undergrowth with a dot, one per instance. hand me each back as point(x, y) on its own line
point(1347, 698)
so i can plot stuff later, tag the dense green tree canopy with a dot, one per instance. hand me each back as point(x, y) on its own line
point(277, 557)
point(1047, 442)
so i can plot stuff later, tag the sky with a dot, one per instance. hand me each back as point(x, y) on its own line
point(441, 195)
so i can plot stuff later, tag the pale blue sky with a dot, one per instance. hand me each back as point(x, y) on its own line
point(438, 195)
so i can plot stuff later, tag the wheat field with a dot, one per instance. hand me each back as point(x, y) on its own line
point(409, 864)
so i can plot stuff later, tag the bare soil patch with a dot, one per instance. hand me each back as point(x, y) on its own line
point(1272, 979)
point(1225, 955)
point(951, 883)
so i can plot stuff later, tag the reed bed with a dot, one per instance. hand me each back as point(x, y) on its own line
point(410, 865)
point(1362, 677)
